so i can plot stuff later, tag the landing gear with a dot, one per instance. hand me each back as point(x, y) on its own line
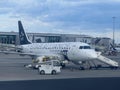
point(113, 68)
point(88, 65)
point(85, 65)
point(82, 68)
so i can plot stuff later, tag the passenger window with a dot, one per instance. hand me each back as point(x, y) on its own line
point(48, 63)
point(56, 63)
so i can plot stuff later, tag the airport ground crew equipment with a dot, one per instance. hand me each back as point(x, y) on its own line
point(50, 67)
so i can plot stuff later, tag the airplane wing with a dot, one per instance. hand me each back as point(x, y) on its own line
point(32, 55)
point(15, 53)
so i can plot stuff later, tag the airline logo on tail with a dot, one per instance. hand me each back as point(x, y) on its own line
point(22, 35)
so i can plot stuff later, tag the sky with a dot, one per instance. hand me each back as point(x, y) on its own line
point(89, 17)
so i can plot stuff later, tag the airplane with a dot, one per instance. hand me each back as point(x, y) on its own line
point(113, 50)
point(117, 49)
point(71, 51)
point(76, 52)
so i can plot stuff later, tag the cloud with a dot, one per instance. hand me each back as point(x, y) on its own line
point(62, 16)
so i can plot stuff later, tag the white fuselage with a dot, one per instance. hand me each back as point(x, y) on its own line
point(74, 51)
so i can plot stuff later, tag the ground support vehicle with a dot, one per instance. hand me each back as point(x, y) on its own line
point(50, 67)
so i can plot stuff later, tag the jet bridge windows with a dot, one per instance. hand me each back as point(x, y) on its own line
point(84, 47)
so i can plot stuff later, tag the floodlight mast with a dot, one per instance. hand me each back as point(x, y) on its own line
point(114, 30)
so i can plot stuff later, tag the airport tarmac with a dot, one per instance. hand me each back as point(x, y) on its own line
point(13, 75)
point(13, 69)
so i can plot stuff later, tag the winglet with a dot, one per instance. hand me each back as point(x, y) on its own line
point(22, 35)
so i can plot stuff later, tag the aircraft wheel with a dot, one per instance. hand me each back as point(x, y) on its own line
point(114, 68)
point(90, 68)
point(82, 68)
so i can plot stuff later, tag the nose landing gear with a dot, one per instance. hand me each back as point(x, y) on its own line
point(85, 65)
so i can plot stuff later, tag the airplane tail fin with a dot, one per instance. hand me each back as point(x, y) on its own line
point(22, 35)
point(112, 47)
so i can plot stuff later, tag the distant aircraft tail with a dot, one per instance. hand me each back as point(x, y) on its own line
point(22, 35)
point(112, 47)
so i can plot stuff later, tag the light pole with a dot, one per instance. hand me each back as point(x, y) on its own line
point(113, 31)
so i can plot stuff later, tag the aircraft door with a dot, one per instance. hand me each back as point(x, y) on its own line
point(71, 53)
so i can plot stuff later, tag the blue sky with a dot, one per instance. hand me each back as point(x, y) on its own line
point(90, 17)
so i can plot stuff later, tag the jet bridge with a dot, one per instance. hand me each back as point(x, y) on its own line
point(107, 61)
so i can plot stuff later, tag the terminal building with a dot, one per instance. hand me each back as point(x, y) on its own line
point(13, 38)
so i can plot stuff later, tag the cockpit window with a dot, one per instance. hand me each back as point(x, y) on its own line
point(87, 47)
point(84, 47)
point(81, 47)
